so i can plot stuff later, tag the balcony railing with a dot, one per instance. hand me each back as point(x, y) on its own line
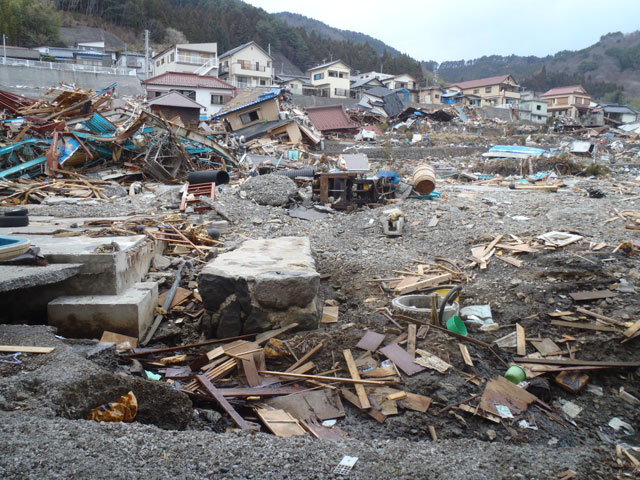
point(74, 67)
point(195, 60)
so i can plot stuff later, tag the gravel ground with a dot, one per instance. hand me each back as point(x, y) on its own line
point(33, 447)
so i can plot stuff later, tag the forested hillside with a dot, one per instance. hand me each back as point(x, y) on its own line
point(233, 22)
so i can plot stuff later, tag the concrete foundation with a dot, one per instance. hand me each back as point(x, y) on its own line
point(264, 284)
point(130, 313)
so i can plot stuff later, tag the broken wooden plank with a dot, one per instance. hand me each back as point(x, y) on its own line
point(500, 391)
point(546, 346)
point(591, 295)
point(576, 362)
point(213, 391)
point(305, 357)
point(323, 404)
point(632, 330)
point(330, 314)
point(257, 392)
point(411, 340)
point(511, 260)
point(521, 340)
point(266, 336)
point(600, 317)
point(431, 361)
point(572, 381)
point(353, 371)
point(402, 359)
point(432, 432)
point(25, 349)
point(371, 341)
point(584, 326)
point(418, 403)
point(307, 367)
point(352, 398)
point(280, 423)
point(465, 354)
point(481, 413)
point(425, 283)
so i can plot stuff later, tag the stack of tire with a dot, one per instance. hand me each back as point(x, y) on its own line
point(15, 218)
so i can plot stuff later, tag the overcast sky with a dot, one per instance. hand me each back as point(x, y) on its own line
point(466, 29)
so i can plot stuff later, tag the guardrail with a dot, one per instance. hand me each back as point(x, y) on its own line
point(72, 67)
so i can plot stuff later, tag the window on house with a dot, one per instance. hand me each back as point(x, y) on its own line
point(216, 99)
point(249, 117)
point(189, 93)
point(318, 76)
point(476, 91)
point(487, 90)
point(172, 58)
point(243, 82)
point(263, 82)
point(333, 74)
point(538, 107)
point(245, 64)
point(162, 62)
point(437, 96)
point(157, 63)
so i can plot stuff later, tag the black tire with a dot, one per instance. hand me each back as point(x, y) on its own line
point(219, 177)
point(18, 212)
point(21, 221)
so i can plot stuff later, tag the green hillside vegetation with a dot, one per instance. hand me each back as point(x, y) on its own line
point(29, 23)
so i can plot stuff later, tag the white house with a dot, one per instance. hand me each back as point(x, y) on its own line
point(404, 81)
point(200, 58)
point(247, 66)
point(331, 79)
point(210, 92)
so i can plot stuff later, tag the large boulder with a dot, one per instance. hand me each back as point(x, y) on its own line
point(264, 284)
point(274, 190)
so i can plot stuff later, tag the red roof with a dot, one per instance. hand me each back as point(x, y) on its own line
point(330, 117)
point(481, 82)
point(179, 79)
point(565, 90)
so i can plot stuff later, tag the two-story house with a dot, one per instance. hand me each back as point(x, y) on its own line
point(331, 79)
point(404, 82)
point(200, 58)
point(247, 66)
point(431, 95)
point(572, 101)
point(493, 91)
point(208, 91)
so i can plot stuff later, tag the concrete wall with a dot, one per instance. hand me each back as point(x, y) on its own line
point(33, 81)
point(312, 101)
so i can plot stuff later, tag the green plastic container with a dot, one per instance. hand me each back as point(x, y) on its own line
point(456, 325)
point(516, 374)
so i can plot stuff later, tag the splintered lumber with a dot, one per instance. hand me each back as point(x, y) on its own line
point(305, 357)
point(401, 359)
point(584, 326)
point(280, 423)
point(632, 330)
point(25, 349)
point(353, 371)
point(352, 398)
point(577, 363)
point(307, 367)
point(511, 261)
point(521, 345)
point(148, 351)
point(432, 431)
point(591, 295)
point(411, 340)
point(266, 336)
point(425, 283)
point(322, 378)
point(257, 392)
point(465, 354)
point(489, 247)
point(481, 413)
point(213, 391)
point(600, 317)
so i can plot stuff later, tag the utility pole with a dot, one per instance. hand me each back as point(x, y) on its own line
point(146, 54)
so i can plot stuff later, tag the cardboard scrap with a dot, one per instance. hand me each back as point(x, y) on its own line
point(431, 361)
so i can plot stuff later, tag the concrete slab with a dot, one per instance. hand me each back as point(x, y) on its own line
point(263, 284)
point(130, 313)
point(110, 265)
point(20, 277)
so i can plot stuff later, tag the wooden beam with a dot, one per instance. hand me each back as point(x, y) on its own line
point(305, 357)
point(353, 371)
point(326, 379)
point(521, 342)
point(576, 362)
point(465, 354)
point(25, 349)
point(427, 282)
point(603, 318)
point(213, 391)
point(632, 330)
point(411, 340)
point(584, 326)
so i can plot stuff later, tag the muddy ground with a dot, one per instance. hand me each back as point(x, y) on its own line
point(351, 251)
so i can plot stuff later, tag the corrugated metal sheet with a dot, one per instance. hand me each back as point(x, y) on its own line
point(331, 117)
point(99, 124)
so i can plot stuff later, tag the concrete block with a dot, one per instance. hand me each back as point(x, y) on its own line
point(263, 284)
point(130, 313)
